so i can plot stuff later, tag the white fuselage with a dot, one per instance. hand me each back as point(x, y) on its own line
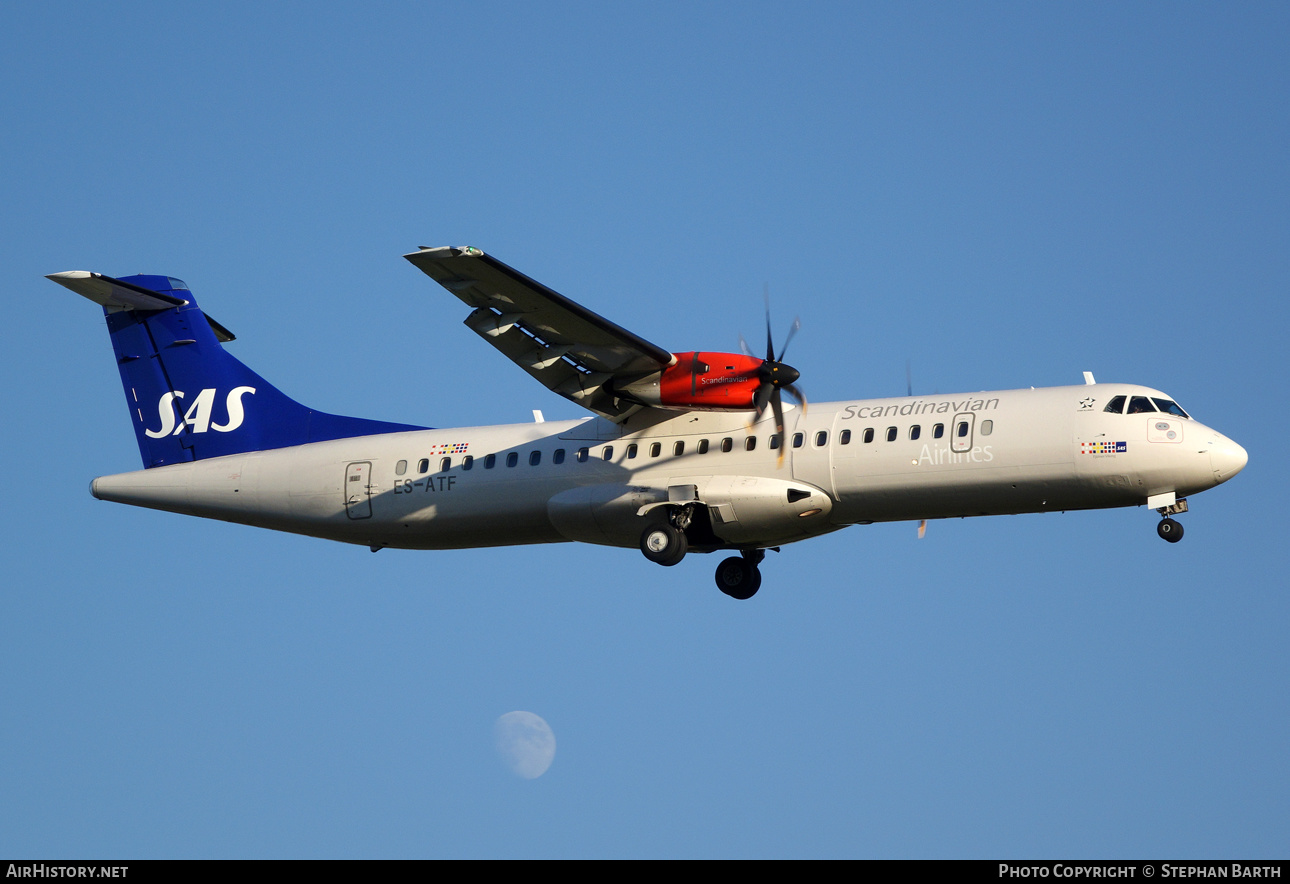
point(1023, 451)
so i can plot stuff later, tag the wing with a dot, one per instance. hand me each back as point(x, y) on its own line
point(570, 350)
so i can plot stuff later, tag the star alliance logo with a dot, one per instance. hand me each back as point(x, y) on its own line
point(1086, 404)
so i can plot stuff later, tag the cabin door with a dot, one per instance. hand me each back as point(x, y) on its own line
point(358, 490)
point(961, 432)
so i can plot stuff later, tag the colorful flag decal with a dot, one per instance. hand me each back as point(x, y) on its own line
point(449, 448)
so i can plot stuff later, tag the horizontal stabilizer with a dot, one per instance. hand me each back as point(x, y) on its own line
point(114, 293)
point(117, 294)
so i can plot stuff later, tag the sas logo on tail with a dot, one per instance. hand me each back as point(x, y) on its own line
point(198, 417)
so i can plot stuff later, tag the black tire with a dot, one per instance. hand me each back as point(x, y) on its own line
point(1170, 530)
point(738, 578)
point(664, 544)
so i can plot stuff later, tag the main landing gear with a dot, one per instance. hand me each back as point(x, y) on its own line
point(738, 576)
point(665, 543)
point(1168, 529)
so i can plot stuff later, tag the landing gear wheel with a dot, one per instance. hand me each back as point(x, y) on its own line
point(1170, 530)
point(664, 544)
point(738, 578)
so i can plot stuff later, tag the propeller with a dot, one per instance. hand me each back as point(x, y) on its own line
point(775, 378)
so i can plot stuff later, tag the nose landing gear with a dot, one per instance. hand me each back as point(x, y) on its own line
point(1168, 529)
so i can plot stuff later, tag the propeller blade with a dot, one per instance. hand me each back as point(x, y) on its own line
point(770, 344)
point(794, 329)
point(797, 394)
point(694, 374)
point(760, 397)
point(922, 529)
point(776, 377)
point(778, 407)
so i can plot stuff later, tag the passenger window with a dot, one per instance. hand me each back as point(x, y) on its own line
point(678, 449)
point(727, 444)
point(799, 439)
point(938, 431)
point(1168, 406)
point(445, 465)
point(844, 438)
point(773, 442)
point(987, 427)
point(962, 430)
point(557, 456)
point(1140, 405)
point(821, 438)
point(703, 446)
point(467, 462)
point(400, 468)
point(750, 443)
point(631, 451)
point(608, 453)
point(490, 461)
point(423, 466)
point(512, 459)
point(868, 435)
point(914, 432)
point(535, 458)
point(891, 434)
point(1116, 405)
point(581, 456)
point(655, 449)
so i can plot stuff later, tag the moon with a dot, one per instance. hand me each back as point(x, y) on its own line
point(525, 743)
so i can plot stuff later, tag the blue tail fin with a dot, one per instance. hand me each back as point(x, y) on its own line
point(189, 398)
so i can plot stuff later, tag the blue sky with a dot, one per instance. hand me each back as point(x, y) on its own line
point(1001, 195)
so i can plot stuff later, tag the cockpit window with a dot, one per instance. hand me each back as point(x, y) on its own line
point(1140, 405)
point(1168, 406)
point(1116, 405)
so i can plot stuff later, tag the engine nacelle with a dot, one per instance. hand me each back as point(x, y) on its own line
point(743, 511)
point(703, 381)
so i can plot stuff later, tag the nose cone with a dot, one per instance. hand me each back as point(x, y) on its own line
point(1227, 458)
point(780, 374)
